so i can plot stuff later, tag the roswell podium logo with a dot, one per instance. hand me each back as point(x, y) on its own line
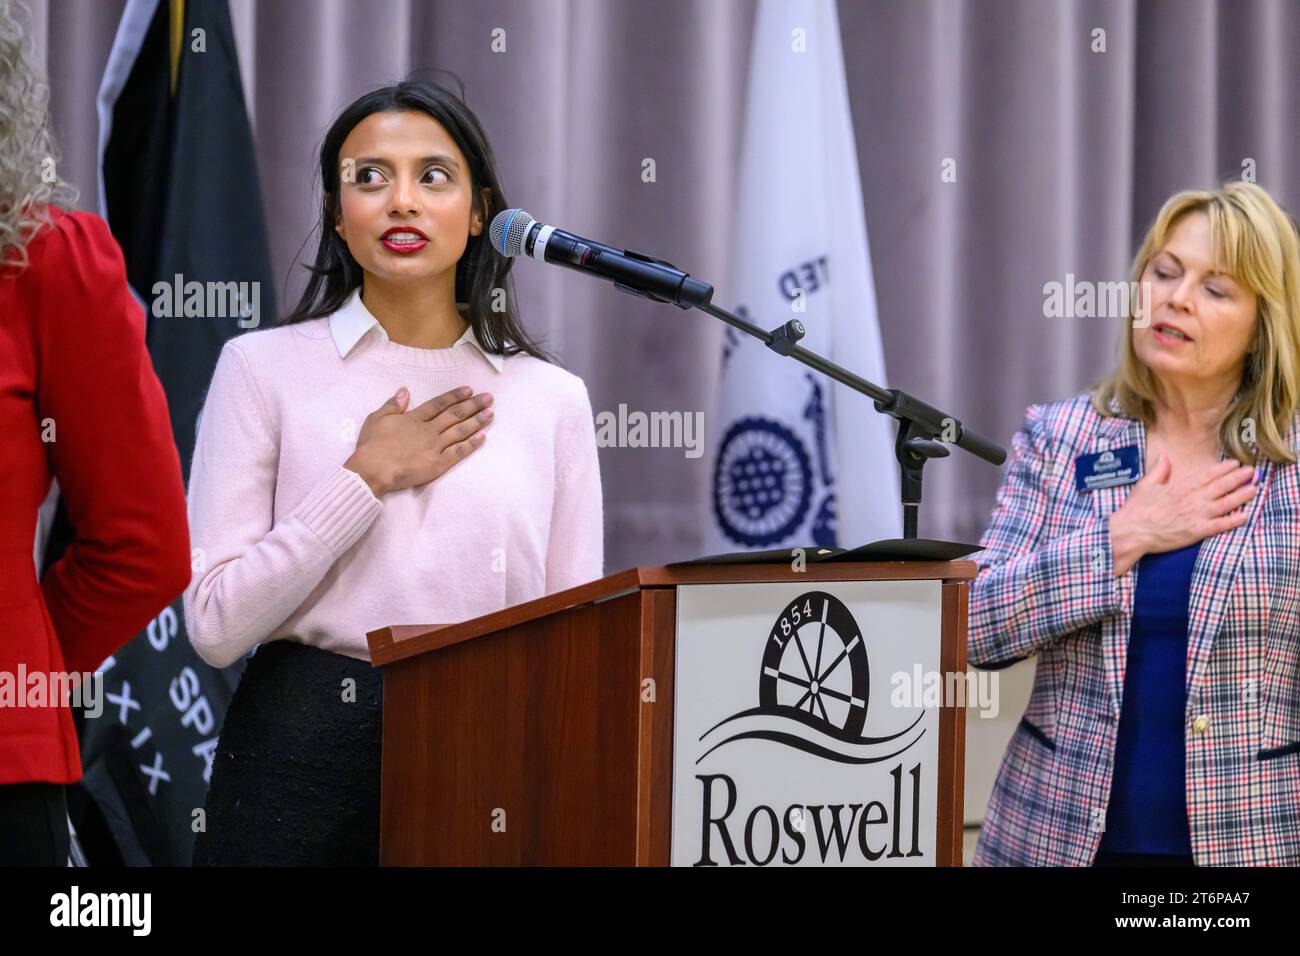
point(814, 687)
point(859, 800)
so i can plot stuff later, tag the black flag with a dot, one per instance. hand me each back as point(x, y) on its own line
point(181, 196)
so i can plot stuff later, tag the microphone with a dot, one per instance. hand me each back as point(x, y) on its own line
point(513, 231)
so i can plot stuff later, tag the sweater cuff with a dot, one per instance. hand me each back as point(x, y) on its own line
point(339, 510)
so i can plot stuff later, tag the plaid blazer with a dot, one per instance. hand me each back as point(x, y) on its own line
point(1046, 586)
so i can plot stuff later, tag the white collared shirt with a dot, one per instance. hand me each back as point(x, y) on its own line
point(353, 320)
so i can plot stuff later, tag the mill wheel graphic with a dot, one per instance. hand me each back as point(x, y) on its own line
point(815, 662)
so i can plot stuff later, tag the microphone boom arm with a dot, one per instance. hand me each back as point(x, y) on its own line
point(922, 429)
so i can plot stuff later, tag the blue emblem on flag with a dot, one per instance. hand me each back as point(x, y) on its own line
point(762, 483)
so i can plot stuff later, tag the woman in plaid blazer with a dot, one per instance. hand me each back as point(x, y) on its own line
point(1204, 767)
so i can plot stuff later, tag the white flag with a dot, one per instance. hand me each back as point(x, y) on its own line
point(800, 460)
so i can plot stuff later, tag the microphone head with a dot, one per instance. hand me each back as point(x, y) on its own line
point(507, 231)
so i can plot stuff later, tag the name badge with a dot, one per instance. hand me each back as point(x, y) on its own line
point(1106, 469)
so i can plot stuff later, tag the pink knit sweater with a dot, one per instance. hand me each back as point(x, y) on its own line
point(289, 543)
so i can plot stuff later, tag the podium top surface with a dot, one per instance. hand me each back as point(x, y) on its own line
point(388, 645)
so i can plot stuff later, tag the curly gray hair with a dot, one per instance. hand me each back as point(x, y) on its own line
point(29, 185)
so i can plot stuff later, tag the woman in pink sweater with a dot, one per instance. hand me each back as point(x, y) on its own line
point(397, 451)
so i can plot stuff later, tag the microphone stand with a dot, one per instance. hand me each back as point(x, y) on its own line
point(920, 426)
point(923, 430)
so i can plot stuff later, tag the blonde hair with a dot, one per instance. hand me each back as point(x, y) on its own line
point(28, 155)
point(1256, 243)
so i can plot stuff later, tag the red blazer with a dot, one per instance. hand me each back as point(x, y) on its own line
point(73, 360)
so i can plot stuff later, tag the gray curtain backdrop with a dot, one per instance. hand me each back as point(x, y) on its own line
point(1062, 157)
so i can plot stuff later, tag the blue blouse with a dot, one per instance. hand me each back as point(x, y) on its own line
point(1148, 796)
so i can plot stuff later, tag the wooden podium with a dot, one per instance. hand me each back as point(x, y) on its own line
point(543, 734)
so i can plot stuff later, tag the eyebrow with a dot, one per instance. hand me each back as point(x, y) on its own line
point(1166, 252)
point(423, 161)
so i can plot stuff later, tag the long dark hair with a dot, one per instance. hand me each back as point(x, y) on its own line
point(480, 271)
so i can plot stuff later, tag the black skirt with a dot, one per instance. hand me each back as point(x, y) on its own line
point(295, 779)
point(34, 824)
